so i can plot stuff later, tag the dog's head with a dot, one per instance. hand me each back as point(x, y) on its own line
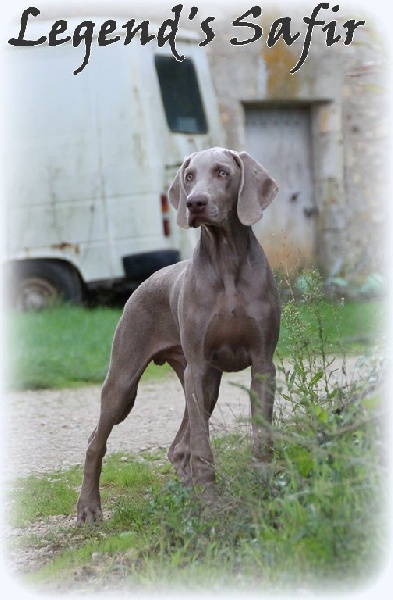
point(211, 183)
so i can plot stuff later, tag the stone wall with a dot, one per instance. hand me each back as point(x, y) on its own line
point(365, 150)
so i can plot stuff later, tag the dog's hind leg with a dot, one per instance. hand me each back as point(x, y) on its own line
point(146, 330)
point(117, 399)
point(129, 359)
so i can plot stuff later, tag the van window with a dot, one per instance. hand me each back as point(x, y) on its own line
point(180, 95)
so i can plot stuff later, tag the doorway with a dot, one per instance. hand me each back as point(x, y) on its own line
point(280, 139)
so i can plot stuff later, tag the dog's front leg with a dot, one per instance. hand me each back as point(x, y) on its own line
point(200, 389)
point(263, 385)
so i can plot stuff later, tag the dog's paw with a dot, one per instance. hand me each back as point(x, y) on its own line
point(88, 514)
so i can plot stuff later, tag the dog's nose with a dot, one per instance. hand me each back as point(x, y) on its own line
point(197, 204)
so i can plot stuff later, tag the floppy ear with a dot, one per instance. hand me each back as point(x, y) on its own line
point(257, 190)
point(177, 196)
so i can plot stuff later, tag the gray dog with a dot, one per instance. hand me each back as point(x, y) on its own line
point(217, 312)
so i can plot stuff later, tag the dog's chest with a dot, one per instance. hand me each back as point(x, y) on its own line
point(232, 335)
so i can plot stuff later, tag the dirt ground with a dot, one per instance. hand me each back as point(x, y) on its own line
point(48, 429)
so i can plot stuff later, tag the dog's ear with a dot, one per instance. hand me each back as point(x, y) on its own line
point(257, 190)
point(177, 195)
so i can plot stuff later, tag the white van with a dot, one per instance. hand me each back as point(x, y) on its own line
point(90, 157)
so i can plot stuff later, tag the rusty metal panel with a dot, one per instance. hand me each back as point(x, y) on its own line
point(280, 139)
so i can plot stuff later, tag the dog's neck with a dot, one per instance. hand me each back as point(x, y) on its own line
point(226, 247)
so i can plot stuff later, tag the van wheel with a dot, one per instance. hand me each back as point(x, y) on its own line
point(36, 285)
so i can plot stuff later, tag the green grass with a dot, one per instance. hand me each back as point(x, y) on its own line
point(62, 347)
point(56, 493)
point(38, 497)
point(351, 326)
point(68, 346)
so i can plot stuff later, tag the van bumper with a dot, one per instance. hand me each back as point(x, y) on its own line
point(139, 267)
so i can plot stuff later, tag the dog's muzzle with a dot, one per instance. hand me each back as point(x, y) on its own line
point(196, 206)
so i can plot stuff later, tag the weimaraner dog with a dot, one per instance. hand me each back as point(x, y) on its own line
point(217, 312)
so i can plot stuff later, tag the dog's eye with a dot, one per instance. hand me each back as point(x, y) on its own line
point(222, 173)
point(189, 177)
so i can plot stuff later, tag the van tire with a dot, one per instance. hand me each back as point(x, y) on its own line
point(40, 284)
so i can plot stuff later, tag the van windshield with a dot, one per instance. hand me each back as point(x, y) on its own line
point(180, 95)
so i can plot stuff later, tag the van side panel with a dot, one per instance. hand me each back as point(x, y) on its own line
point(83, 176)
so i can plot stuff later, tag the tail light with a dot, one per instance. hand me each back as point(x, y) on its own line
point(166, 228)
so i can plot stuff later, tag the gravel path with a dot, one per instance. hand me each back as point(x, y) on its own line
point(48, 429)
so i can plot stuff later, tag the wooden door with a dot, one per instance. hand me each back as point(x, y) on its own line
point(280, 139)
